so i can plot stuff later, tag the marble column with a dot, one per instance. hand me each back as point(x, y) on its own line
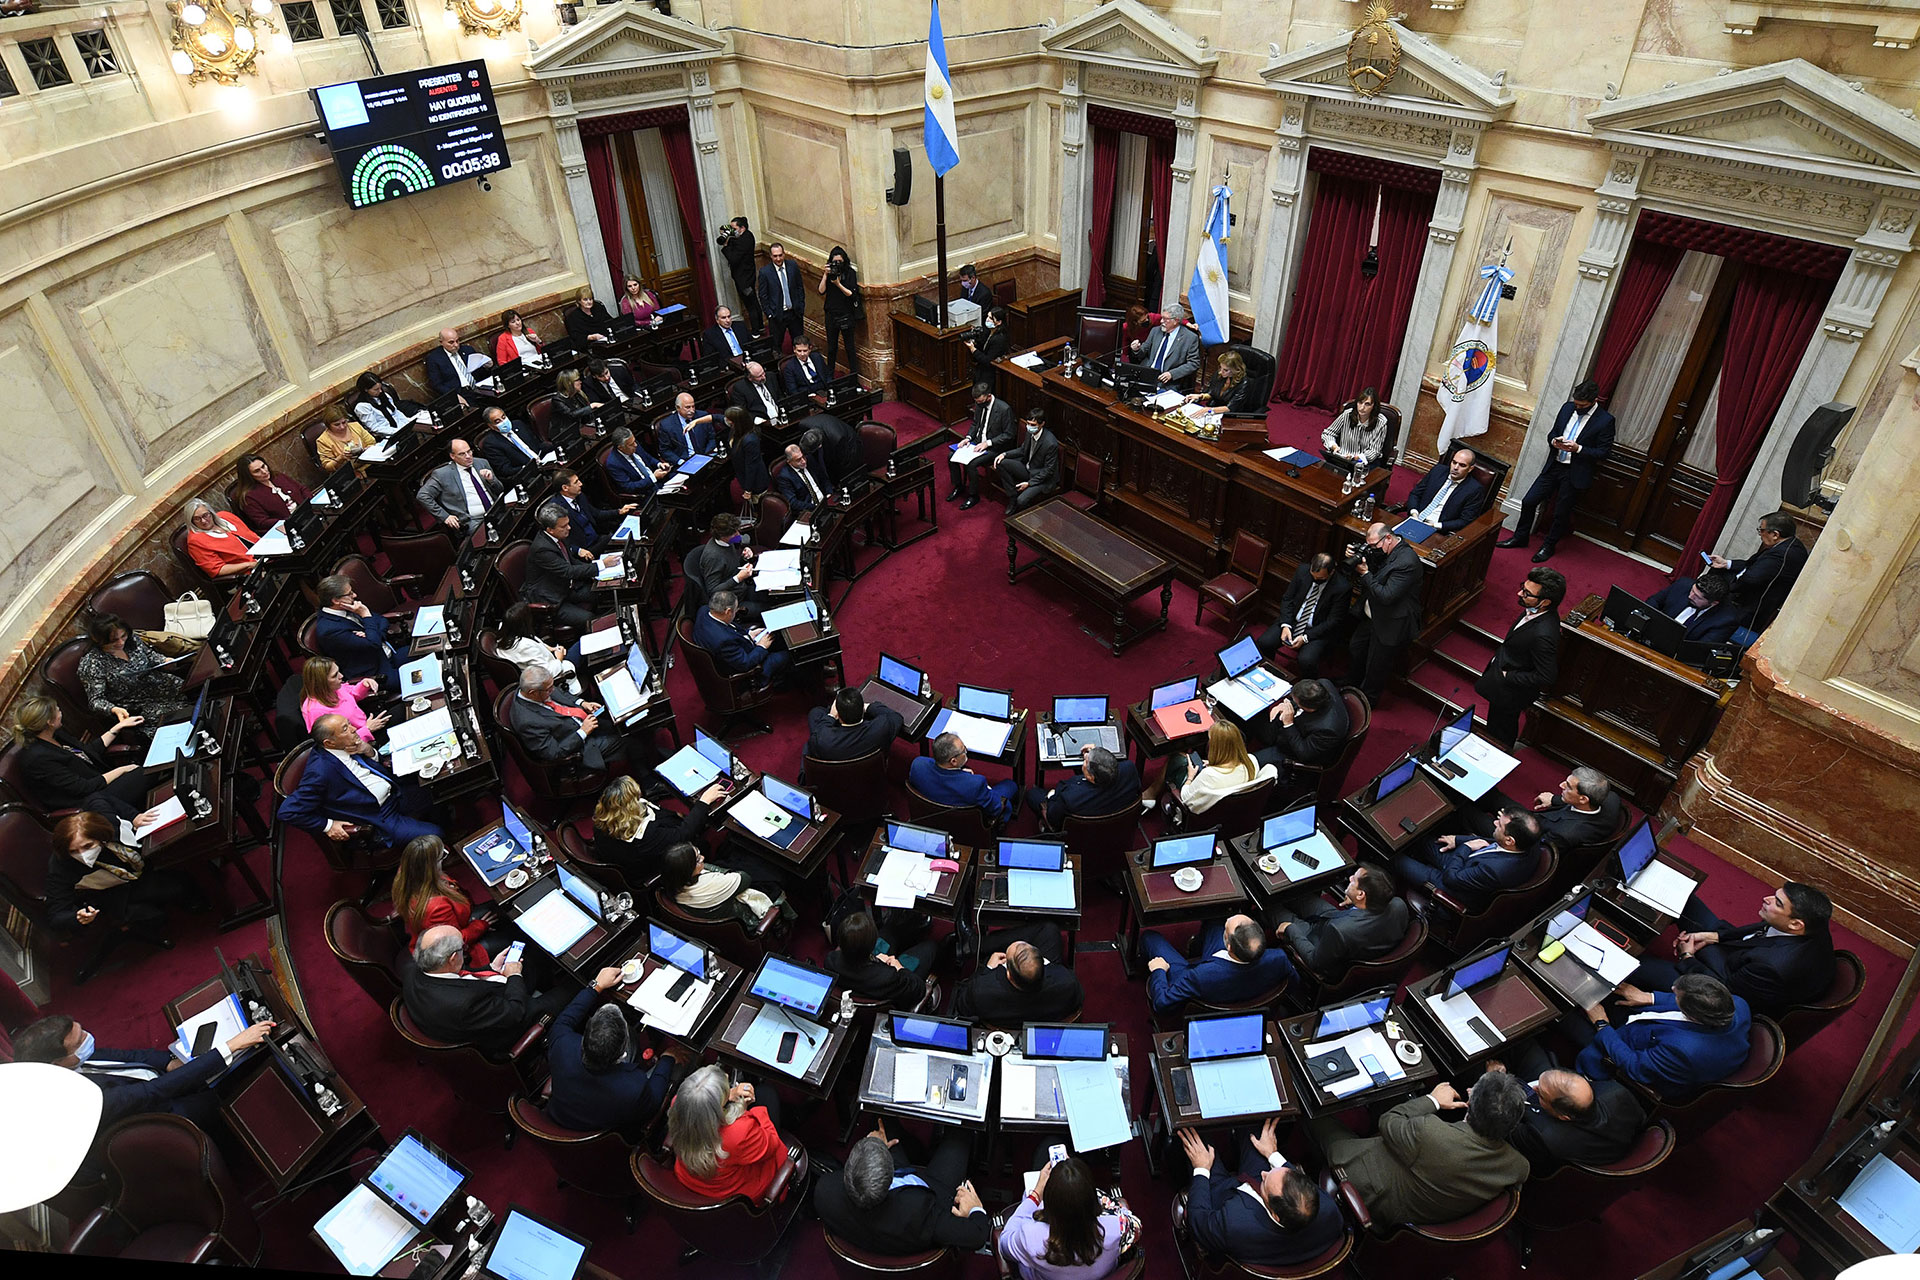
point(573, 165)
point(1286, 224)
point(1176, 245)
point(1443, 237)
point(1076, 179)
point(706, 159)
point(1586, 311)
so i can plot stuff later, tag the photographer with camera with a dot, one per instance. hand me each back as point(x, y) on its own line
point(1387, 573)
point(840, 291)
point(737, 247)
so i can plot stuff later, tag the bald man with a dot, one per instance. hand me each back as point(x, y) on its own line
point(754, 395)
point(451, 373)
point(461, 491)
point(1570, 1119)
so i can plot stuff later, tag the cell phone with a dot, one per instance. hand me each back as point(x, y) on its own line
point(1056, 1153)
point(1705, 558)
point(1372, 1067)
point(203, 1038)
point(1304, 860)
point(512, 953)
point(957, 1089)
point(788, 1043)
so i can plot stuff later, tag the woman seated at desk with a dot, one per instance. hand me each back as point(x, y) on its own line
point(344, 440)
point(701, 889)
point(1230, 388)
point(1356, 441)
point(725, 1137)
point(572, 412)
point(637, 301)
point(66, 773)
point(1228, 770)
point(96, 881)
point(378, 409)
point(265, 496)
point(517, 643)
point(424, 896)
point(325, 692)
point(516, 341)
point(219, 541)
point(1066, 1228)
point(632, 833)
point(124, 677)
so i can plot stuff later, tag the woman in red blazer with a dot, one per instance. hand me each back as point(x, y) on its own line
point(426, 896)
point(516, 341)
point(723, 1143)
point(218, 541)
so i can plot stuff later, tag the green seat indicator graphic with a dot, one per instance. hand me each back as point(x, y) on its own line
point(387, 172)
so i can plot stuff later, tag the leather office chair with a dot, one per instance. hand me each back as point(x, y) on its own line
point(1579, 861)
point(856, 789)
point(730, 695)
point(1197, 1264)
point(1326, 786)
point(877, 443)
point(1403, 1249)
point(1103, 840)
point(504, 674)
point(1234, 815)
point(1459, 931)
point(60, 673)
point(598, 1163)
point(1803, 1021)
point(368, 949)
point(540, 417)
point(380, 594)
point(740, 942)
point(511, 566)
point(19, 791)
point(26, 847)
point(361, 853)
point(423, 557)
point(580, 857)
point(851, 1262)
point(197, 578)
point(733, 1231)
point(172, 1199)
point(966, 823)
point(554, 785)
point(1088, 474)
point(1695, 1112)
point(472, 1076)
point(1234, 593)
point(310, 438)
point(1368, 975)
point(1491, 473)
point(139, 598)
point(1577, 1193)
point(771, 522)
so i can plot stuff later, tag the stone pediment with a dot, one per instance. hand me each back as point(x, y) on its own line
point(1430, 80)
point(1125, 33)
point(1784, 115)
point(625, 37)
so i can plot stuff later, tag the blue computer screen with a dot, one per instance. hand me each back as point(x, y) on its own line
point(792, 985)
point(415, 1179)
point(899, 675)
point(1637, 851)
point(1080, 710)
point(637, 666)
point(1033, 855)
point(713, 749)
point(1231, 1037)
point(1178, 851)
point(792, 799)
point(995, 704)
point(1242, 655)
point(1469, 976)
point(580, 891)
point(689, 957)
point(1088, 1043)
point(931, 1033)
point(528, 1249)
point(517, 828)
point(1452, 735)
point(1352, 1017)
point(1289, 828)
point(1396, 778)
point(1172, 695)
point(902, 835)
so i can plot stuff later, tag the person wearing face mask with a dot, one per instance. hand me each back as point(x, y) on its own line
point(840, 299)
point(992, 344)
point(1388, 574)
point(1030, 471)
point(726, 562)
point(1528, 659)
point(97, 884)
point(137, 1081)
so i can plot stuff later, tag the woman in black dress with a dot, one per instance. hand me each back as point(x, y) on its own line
point(632, 833)
point(572, 413)
point(96, 881)
point(66, 773)
point(1230, 388)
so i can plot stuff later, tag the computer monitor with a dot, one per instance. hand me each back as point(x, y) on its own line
point(1471, 974)
point(1637, 850)
point(1452, 735)
point(1563, 923)
point(637, 666)
point(1097, 332)
point(713, 749)
point(926, 310)
point(1180, 851)
point(792, 985)
point(1393, 779)
point(416, 1177)
point(901, 676)
point(530, 1248)
point(688, 957)
point(1289, 828)
point(904, 835)
point(995, 704)
point(1033, 855)
point(1083, 1042)
point(579, 890)
point(1233, 1036)
point(1080, 709)
point(1242, 655)
point(792, 799)
point(1634, 617)
point(1354, 1015)
point(1172, 695)
point(922, 1031)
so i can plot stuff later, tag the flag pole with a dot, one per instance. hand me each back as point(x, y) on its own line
point(940, 239)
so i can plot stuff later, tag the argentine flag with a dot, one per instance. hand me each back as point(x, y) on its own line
point(942, 138)
point(1207, 293)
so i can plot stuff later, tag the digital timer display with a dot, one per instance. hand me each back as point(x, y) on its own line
point(398, 135)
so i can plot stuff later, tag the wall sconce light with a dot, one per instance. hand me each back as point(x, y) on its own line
point(218, 40)
point(485, 17)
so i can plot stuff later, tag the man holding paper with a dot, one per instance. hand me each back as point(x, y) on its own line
point(990, 435)
point(342, 791)
point(138, 1081)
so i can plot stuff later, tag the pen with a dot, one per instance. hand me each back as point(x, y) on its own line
point(1058, 1107)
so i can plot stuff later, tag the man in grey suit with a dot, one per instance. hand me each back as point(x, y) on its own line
point(460, 492)
point(1330, 938)
point(1421, 1169)
point(1389, 575)
point(1172, 348)
point(553, 725)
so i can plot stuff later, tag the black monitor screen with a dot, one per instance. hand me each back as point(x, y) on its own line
point(398, 135)
point(1637, 850)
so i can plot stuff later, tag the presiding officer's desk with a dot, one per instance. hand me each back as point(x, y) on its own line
point(1301, 1035)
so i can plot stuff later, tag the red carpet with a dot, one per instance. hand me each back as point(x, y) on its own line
point(945, 604)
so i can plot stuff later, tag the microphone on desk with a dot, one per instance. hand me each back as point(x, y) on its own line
point(1442, 715)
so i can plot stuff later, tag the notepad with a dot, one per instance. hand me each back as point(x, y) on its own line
point(1235, 1087)
point(1662, 886)
point(910, 1076)
point(1885, 1199)
point(967, 451)
point(554, 923)
point(790, 615)
point(430, 620)
point(600, 641)
point(1047, 890)
point(609, 567)
point(1018, 1083)
point(1413, 530)
point(1167, 400)
point(762, 1041)
point(379, 453)
point(798, 534)
point(980, 735)
point(364, 1231)
point(1096, 1113)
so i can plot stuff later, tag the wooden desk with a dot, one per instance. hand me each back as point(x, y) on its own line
point(1627, 710)
point(916, 713)
point(1771, 1266)
point(1088, 553)
point(977, 1108)
point(808, 850)
point(726, 978)
point(1377, 826)
point(591, 950)
point(1146, 742)
point(1513, 1004)
point(1025, 389)
point(820, 1078)
point(1049, 1117)
point(1808, 1201)
point(1153, 898)
point(1169, 1059)
point(1046, 316)
point(467, 772)
point(1300, 1034)
point(992, 906)
point(949, 887)
point(1270, 887)
point(933, 370)
point(1564, 976)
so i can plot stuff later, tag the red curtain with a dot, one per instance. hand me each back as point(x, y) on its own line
point(1773, 316)
point(600, 178)
point(1643, 282)
point(678, 143)
point(1374, 352)
point(1159, 202)
point(1106, 159)
point(1742, 244)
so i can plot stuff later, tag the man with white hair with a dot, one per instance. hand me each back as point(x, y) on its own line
point(684, 432)
point(552, 725)
point(754, 395)
point(451, 373)
point(1172, 349)
point(489, 1009)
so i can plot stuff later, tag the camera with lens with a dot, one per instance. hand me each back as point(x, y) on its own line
point(1358, 551)
point(727, 232)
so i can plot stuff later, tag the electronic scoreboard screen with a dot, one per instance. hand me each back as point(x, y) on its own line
point(393, 136)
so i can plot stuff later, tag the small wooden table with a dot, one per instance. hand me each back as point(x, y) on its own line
point(1088, 553)
point(1153, 898)
point(1169, 1058)
point(993, 907)
point(726, 977)
point(1513, 1003)
point(1290, 879)
point(824, 1073)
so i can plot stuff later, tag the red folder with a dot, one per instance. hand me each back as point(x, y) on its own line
point(1173, 720)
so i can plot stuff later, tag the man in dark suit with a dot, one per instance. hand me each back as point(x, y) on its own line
point(589, 527)
point(684, 432)
point(1105, 784)
point(802, 484)
point(1421, 1169)
point(354, 636)
point(551, 724)
point(1584, 811)
point(850, 728)
point(1761, 582)
point(1313, 614)
point(1285, 1221)
point(630, 470)
point(450, 373)
point(1235, 964)
point(901, 978)
point(725, 560)
point(804, 371)
point(883, 1203)
point(1527, 661)
point(489, 1009)
point(992, 432)
point(740, 251)
point(782, 295)
point(136, 1082)
point(943, 777)
point(1672, 1056)
point(1389, 576)
point(600, 1079)
point(1329, 938)
point(975, 290)
point(1783, 959)
point(990, 342)
point(1307, 727)
point(1473, 870)
point(1030, 471)
point(1448, 497)
point(1022, 979)
point(1582, 438)
point(554, 575)
point(1172, 348)
point(510, 447)
point(755, 395)
point(1570, 1119)
point(342, 790)
point(587, 321)
point(1701, 606)
point(459, 493)
point(725, 336)
point(737, 648)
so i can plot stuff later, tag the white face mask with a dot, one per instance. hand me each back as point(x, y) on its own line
point(89, 855)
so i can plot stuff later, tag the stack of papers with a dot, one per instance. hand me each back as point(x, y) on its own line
point(1251, 693)
point(1046, 890)
point(422, 676)
point(610, 566)
point(274, 541)
point(982, 736)
point(1454, 1013)
point(595, 642)
point(1291, 457)
point(165, 814)
point(1199, 413)
point(1485, 764)
point(1885, 1199)
point(554, 923)
point(777, 570)
point(762, 1040)
point(1662, 886)
point(790, 615)
point(413, 742)
point(675, 1017)
point(364, 1231)
point(1019, 1083)
point(1029, 360)
point(760, 815)
point(1096, 1113)
point(379, 453)
point(1597, 952)
point(798, 534)
point(903, 877)
point(966, 452)
point(227, 1018)
point(1167, 400)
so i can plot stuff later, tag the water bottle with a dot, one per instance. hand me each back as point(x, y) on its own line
point(926, 686)
point(889, 466)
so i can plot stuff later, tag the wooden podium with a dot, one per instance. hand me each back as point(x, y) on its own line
point(933, 370)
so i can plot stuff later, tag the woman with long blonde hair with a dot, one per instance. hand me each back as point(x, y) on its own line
point(1228, 769)
point(630, 832)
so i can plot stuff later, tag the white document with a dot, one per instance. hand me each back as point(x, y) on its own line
point(1663, 886)
point(1018, 1082)
point(411, 733)
point(675, 1017)
point(910, 1077)
point(1486, 766)
point(1291, 456)
point(600, 641)
point(1596, 951)
point(1167, 400)
point(422, 676)
point(1235, 1086)
point(1029, 360)
point(364, 1231)
point(968, 451)
point(1453, 1012)
point(981, 735)
point(760, 815)
point(227, 1022)
point(321, 498)
point(904, 876)
point(798, 534)
point(379, 453)
point(610, 566)
point(1096, 1113)
point(1239, 699)
point(430, 620)
point(1199, 412)
point(165, 813)
point(1323, 852)
point(1366, 1042)
point(1885, 1199)
point(476, 361)
point(273, 542)
point(554, 923)
point(790, 615)
point(777, 570)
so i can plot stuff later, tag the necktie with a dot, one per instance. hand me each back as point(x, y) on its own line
point(1308, 605)
point(766, 398)
point(906, 1178)
point(786, 303)
point(806, 369)
point(479, 491)
point(806, 473)
point(613, 384)
point(1572, 436)
point(372, 781)
point(575, 712)
point(732, 341)
point(1433, 509)
point(520, 444)
point(1160, 352)
point(459, 359)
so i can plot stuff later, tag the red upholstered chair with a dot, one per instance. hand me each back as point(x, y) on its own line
point(139, 598)
point(377, 593)
point(17, 790)
point(1369, 974)
point(511, 565)
point(856, 789)
point(504, 674)
point(362, 853)
point(851, 1262)
point(964, 822)
point(368, 949)
point(772, 521)
point(1234, 815)
point(61, 675)
point(1577, 862)
point(877, 443)
point(1577, 1193)
point(1326, 786)
point(1103, 839)
point(171, 1199)
point(419, 559)
point(580, 857)
point(733, 1231)
point(1803, 1021)
point(1234, 593)
point(1197, 1264)
point(738, 941)
point(472, 1076)
point(598, 1163)
point(199, 579)
point(1088, 474)
point(310, 437)
point(1389, 1250)
point(1460, 931)
point(555, 785)
point(732, 695)
point(1766, 1051)
point(540, 415)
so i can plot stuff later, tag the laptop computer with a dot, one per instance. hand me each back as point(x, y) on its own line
point(976, 700)
point(670, 948)
point(1228, 1058)
point(1181, 851)
point(1365, 1012)
point(1078, 720)
point(1037, 875)
point(580, 890)
point(530, 1248)
point(792, 986)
